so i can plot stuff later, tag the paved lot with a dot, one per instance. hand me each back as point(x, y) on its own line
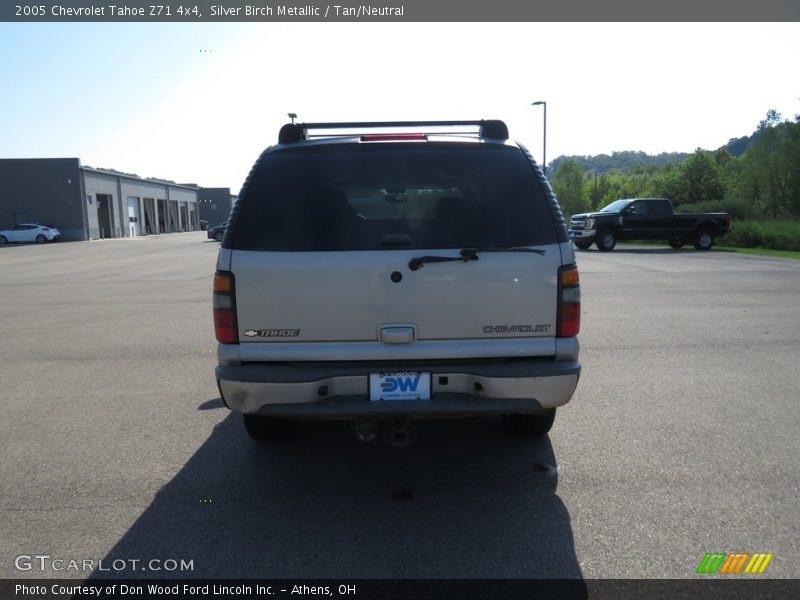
point(682, 438)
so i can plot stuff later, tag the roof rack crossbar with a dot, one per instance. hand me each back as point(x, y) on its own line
point(456, 133)
point(295, 132)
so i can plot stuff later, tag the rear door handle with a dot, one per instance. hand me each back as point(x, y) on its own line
point(397, 335)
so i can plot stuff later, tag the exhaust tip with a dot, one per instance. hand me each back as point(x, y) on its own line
point(366, 430)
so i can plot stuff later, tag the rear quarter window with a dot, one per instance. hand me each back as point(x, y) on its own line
point(378, 196)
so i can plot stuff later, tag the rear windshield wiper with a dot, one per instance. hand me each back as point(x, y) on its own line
point(468, 254)
point(538, 251)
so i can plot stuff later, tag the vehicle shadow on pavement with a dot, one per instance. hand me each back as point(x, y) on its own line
point(466, 500)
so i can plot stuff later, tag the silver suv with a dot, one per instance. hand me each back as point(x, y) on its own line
point(387, 272)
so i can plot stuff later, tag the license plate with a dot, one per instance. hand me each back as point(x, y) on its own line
point(401, 385)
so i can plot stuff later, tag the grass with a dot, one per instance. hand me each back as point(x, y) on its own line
point(720, 248)
point(774, 234)
point(774, 237)
point(760, 252)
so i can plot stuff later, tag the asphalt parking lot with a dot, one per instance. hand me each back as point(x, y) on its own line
point(681, 439)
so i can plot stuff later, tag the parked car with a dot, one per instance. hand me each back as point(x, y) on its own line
point(30, 232)
point(646, 219)
point(382, 278)
point(203, 225)
point(216, 232)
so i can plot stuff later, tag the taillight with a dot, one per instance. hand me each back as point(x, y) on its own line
point(569, 301)
point(224, 303)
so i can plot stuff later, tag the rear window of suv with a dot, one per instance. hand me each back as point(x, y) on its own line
point(379, 196)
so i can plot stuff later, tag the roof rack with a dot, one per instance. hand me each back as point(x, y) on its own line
point(296, 132)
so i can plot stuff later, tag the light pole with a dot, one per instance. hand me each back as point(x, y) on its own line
point(292, 116)
point(544, 134)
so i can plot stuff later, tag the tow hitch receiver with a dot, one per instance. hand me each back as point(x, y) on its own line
point(398, 431)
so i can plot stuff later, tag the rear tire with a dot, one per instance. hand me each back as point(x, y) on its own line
point(676, 243)
point(264, 429)
point(583, 245)
point(526, 424)
point(3, 239)
point(704, 239)
point(605, 240)
point(40, 239)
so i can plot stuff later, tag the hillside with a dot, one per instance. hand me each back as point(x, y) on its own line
point(628, 159)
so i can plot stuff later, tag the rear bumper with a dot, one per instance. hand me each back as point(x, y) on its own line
point(325, 390)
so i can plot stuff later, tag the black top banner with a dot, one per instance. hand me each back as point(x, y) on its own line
point(197, 11)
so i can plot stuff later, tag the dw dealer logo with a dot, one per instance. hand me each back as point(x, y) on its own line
point(733, 563)
point(403, 384)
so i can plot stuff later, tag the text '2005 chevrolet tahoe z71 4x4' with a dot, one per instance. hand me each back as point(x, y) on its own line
point(384, 277)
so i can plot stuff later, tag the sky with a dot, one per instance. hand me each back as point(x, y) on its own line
point(198, 102)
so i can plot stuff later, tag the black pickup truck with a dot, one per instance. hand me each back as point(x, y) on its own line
point(646, 219)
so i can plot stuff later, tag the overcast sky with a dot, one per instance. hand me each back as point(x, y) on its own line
point(198, 102)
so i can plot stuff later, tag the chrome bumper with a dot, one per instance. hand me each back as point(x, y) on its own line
point(581, 234)
point(324, 391)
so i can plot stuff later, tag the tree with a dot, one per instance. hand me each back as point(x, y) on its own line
point(759, 174)
point(722, 157)
point(611, 186)
point(568, 186)
point(592, 189)
point(769, 174)
point(698, 179)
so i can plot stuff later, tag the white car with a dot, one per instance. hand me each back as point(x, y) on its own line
point(30, 232)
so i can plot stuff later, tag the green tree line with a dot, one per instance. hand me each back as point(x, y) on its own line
point(752, 178)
